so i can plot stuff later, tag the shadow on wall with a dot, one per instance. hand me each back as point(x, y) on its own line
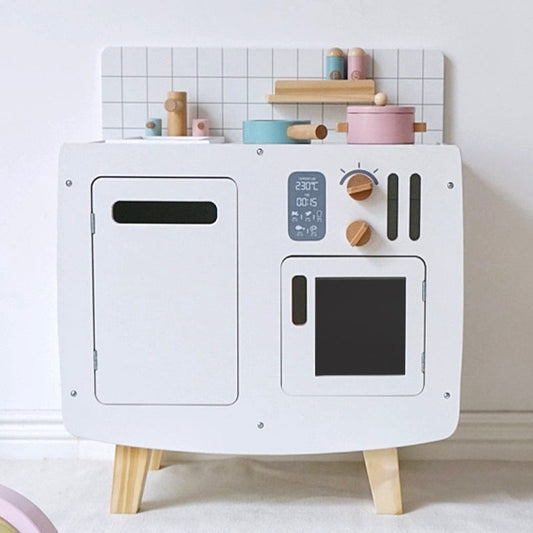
point(498, 335)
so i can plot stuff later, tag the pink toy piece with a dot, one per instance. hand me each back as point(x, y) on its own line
point(200, 127)
point(356, 64)
point(381, 125)
point(23, 515)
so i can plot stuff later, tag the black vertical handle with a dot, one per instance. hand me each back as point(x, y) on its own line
point(299, 300)
point(414, 207)
point(392, 207)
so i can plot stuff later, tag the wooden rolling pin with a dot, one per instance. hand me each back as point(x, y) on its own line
point(176, 106)
point(306, 132)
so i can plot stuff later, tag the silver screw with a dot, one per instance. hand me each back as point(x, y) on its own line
point(260, 425)
point(68, 183)
point(73, 393)
point(450, 185)
point(447, 395)
point(259, 151)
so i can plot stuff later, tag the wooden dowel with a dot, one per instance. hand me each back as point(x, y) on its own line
point(305, 132)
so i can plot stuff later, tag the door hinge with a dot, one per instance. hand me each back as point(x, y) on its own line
point(93, 224)
point(95, 360)
point(424, 291)
point(423, 362)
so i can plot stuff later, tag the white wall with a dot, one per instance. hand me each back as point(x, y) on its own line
point(50, 92)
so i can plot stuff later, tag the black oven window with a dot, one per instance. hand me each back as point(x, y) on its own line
point(360, 326)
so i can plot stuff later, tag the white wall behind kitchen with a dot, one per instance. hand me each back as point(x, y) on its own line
point(50, 93)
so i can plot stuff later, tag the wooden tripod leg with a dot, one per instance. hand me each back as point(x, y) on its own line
point(129, 478)
point(383, 471)
point(155, 461)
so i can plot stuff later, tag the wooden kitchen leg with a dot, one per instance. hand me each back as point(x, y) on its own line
point(383, 469)
point(129, 478)
point(155, 461)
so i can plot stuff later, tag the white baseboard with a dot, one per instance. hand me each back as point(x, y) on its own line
point(481, 435)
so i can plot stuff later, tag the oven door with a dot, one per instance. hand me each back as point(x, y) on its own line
point(353, 326)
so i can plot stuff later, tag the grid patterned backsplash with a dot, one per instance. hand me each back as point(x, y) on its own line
point(229, 85)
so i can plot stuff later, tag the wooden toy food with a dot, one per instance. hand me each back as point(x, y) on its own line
point(200, 127)
point(153, 126)
point(356, 64)
point(381, 125)
point(176, 106)
point(335, 64)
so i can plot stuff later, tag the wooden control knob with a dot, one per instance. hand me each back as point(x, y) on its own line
point(358, 233)
point(359, 187)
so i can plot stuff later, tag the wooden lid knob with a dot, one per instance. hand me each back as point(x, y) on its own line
point(360, 187)
point(358, 233)
point(380, 99)
point(150, 125)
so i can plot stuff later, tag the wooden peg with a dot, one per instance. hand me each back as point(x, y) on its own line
point(420, 127)
point(307, 131)
point(176, 107)
point(342, 127)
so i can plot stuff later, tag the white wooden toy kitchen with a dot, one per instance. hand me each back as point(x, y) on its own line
point(260, 299)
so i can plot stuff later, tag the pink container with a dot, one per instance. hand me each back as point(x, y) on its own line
point(200, 127)
point(382, 125)
point(356, 64)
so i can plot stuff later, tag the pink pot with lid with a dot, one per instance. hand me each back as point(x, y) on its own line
point(388, 124)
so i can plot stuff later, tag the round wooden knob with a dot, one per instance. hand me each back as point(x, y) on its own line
point(380, 99)
point(172, 105)
point(358, 233)
point(359, 187)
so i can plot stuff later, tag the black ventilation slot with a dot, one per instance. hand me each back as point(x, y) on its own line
point(392, 207)
point(414, 207)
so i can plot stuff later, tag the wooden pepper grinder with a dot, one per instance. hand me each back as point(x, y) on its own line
point(176, 105)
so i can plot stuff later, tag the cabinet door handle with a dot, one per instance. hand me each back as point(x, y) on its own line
point(299, 300)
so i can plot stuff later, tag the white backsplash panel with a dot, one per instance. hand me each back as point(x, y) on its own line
point(230, 85)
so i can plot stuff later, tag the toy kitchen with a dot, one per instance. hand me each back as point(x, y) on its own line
point(296, 289)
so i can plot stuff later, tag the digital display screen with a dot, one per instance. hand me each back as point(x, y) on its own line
point(307, 206)
point(360, 326)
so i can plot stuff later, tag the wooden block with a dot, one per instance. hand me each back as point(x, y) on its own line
point(155, 461)
point(420, 127)
point(383, 471)
point(129, 478)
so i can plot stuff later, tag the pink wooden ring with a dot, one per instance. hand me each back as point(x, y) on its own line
point(23, 515)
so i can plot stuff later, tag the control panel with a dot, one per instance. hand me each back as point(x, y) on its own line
point(307, 205)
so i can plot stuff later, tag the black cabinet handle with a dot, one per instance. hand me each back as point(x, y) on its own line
point(299, 300)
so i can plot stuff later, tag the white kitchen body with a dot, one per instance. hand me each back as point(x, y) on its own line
point(237, 298)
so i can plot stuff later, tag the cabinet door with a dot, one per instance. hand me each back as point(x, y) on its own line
point(165, 290)
point(353, 326)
